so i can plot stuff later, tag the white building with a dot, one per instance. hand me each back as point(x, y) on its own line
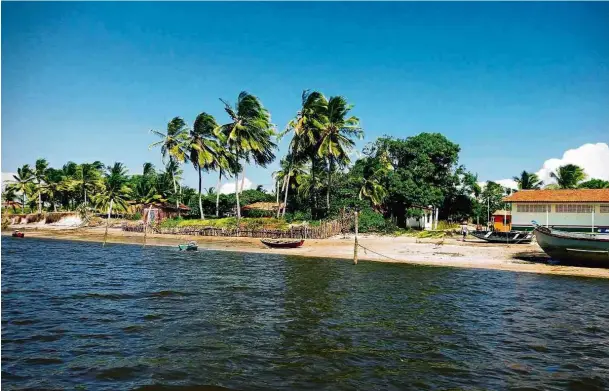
point(427, 221)
point(584, 210)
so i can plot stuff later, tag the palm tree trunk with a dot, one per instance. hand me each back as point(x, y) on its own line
point(330, 166)
point(39, 199)
point(314, 208)
point(175, 191)
point(108, 222)
point(23, 205)
point(242, 180)
point(85, 194)
point(277, 191)
point(218, 194)
point(237, 195)
point(200, 201)
point(285, 198)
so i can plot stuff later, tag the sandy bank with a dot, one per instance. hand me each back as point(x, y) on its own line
point(448, 252)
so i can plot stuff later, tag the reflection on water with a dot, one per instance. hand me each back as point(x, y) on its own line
point(77, 315)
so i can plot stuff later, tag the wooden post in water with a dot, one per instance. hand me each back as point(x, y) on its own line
point(355, 243)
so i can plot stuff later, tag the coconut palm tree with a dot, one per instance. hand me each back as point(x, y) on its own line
point(371, 186)
point(248, 134)
point(528, 181)
point(568, 176)
point(22, 183)
point(114, 193)
point(169, 179)
point(88, 177)
point(203, 147)
point(172, 145)
point(41, 168)
point(291, 169)
point(337, 133)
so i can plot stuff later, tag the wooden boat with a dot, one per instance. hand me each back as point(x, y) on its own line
point(190, 246)
point(283, 243)
point(574, 247)
point(511, 237)
point(18, 234)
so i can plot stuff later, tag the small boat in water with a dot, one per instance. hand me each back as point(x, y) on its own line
point(190, 246)
point(18, 234)
point(511, 237)
point(283, 243)
point(573, 247)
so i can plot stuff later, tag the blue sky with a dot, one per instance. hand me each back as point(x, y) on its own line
point(513, 84)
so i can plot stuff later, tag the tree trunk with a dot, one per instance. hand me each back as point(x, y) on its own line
point(314, 208)
point(218, 194)
point(200, 201)
point(277, 194)
point(285, 198)
point(175, 191)
point(237, 195)
point(23, 205)
point(108, 222)
point(242, 180)
point(39, 199)
point(330, 166)
point(85, 195)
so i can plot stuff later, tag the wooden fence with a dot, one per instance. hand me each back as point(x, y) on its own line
point(323, 231)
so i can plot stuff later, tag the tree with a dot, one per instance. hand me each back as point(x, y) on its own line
point(172, 147)
point(568, 176)
point(248, 134)
point(203, 148)
point(289, 174)
point(40, 174)
point(88, 177)
point(23, 180)
point(337, 134)
point(528, 181)
point(594, 184)
point(371, 188)
point(115, 192)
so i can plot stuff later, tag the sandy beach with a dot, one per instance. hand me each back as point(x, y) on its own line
point(433, 252)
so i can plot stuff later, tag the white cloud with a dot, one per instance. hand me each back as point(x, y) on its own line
point(7, 177)
point(229, 188)
point(593, 158)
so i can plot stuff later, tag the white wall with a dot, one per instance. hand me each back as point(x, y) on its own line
point(561, 219)
point(423, 222)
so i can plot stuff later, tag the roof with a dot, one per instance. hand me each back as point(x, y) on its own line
point(263, 206)
point(502, 212)
point(560, 195)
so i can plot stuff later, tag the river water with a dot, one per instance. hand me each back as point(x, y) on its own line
point(79, 316)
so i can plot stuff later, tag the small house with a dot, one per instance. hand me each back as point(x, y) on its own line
point(160, 211)
point(584, 210)
point(502, 221)
point(427, 220)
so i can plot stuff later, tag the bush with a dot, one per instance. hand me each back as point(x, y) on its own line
point(228, 223)
point(259, 213)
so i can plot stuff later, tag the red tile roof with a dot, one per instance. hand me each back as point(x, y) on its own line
point(562, 195)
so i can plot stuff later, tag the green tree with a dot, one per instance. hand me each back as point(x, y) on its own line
point(22, 183)
point(594, 184)
point(568, 176)
point(528, 181)
point(371, 188)
point(115, 192)
point(248, 134)
point(88, 177)
point(337, 132)
point(40, 174)
point(203, 148)
point(173, 149)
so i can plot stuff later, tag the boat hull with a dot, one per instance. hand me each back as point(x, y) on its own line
point(18, 235)
point(282, 243)
point(568, 249)
point(512, 237)
point(186, 247)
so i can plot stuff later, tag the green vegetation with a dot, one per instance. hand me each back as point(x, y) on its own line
point(392, 178)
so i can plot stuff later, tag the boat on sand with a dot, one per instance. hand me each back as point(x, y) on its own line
point(574, 247)
point(511, 237)
point(283, 243)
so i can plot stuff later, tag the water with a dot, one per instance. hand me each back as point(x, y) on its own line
point(76, 316)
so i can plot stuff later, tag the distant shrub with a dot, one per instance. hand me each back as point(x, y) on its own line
point(255, 213)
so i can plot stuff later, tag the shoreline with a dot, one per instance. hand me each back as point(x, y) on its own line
point(448, 252)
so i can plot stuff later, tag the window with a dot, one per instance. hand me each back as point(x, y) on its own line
point(604, 208)
point(533, 208)
point(573, 208)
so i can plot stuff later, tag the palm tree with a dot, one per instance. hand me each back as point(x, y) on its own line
point(9, 196)
point(248, 134)
point(371, 186)
point(40, 175)
point(337, 133)
point(289, 170)
point(528, 181)
point(172, 146)
point(568, 176)
point(169, 180)
point(115, 192)
point(203, 148)
point(306, 126)
point(88, 176)
point(22, 182)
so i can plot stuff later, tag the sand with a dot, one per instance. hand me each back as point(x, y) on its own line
point(433, 252)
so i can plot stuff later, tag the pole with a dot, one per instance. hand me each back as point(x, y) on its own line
point(146, 222)
point(355, 243)
point(488, 211)
point(592, 218)
point(548, 215)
